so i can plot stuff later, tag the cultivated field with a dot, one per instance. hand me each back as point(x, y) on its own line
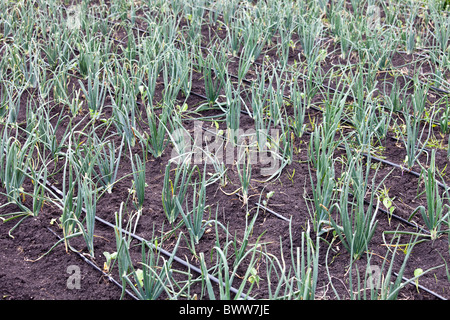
point(225, 149)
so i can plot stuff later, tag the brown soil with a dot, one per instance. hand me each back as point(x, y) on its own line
point(22, 278)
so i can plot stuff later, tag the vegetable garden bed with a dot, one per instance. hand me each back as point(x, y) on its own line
point(224, 149)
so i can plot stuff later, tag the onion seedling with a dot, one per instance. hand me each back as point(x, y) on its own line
point(193, 219)
point(17, 157)
point(227, 278)
point(108, 164)
point(244, 171)
point(276, 99)
point(305, 265)
point(413, 140)
point(377, 283)
point(123, 126)
point(156, 141)
point(441, 30)
point(444, 120)
point(175, 190)
point(299, 106)
point(123, 259)
point(177, 75)
point(89, 195)
point(214, 158)
point(436, 212)
point(95, 94)
point(358, 219)
point(324, 184)
point(71, 204)
point(233, 112)
point(11, 100)
point(110, 257)
point(260, 95)
point(214, 74)
point(138, 167)
point(39, 178)
point(417, 273)
point(57, 46)
point(155, 277)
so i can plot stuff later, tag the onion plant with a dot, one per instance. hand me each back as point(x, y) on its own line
point(379, 47)
point(227, 275)
point(436, 212)
point(409, 35)
point(88, 59)
point(286, 144)
point(396, 101)
point(165, 27)
point(414, 134)
point(232, 111)
point(324, 183)
point(79, 210)
point(220, 171)
point(241, 246)
point(357, 218)
point(39, 180)
point(377, 283)
point(61, 84)
point(194, 219)
point(368, 121)
point(123, 244)
point(176, 189)
point(124, 126)
point(11, 101)
point(157, 140)
point(256, 33)
point(108, 164)
point(286, 29)
point(155, 275)
point(341, 28)
point(14, 165)
point(214, 73)
point(71, 203)
point(151, 71)
point(58, 47)
point(124, 99)
point(130, 51)
point(299, 106)
point(305, 264)
point(444, 121)
point(310, 30)
point(276, 99)
point(441, 30)
point(89, 192)
point(47, 129)
point(259, 96)
point(244, 171)
point(84, 158)
point(95, 94)
point(195, 20)
point(234, 36)
point(14, 161)
point(138, 167)
point(332, 116)
point(298, 281)
point(31, 68)
point(177, 75)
